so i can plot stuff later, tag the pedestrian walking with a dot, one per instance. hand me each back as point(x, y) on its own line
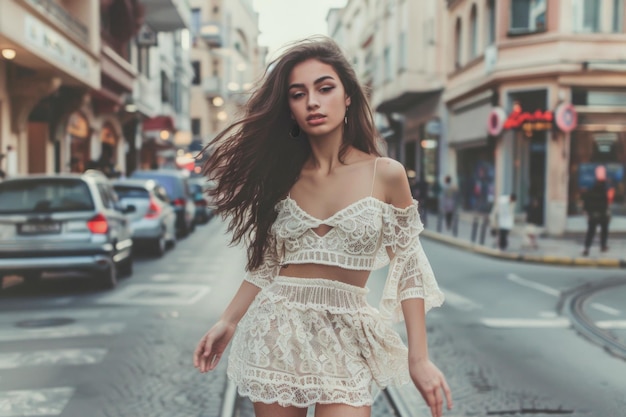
point(596, 205)
point(449, 201)
point(503, 218)
point(302, 182)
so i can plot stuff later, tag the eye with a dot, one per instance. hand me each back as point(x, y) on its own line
point(327, 88)
point(297, 95)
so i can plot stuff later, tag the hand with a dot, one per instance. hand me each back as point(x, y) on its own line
point(212, 345)
point(429, 381)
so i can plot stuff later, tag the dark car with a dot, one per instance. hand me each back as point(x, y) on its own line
point(69, 223)
point(199, 187)
point(176, 184)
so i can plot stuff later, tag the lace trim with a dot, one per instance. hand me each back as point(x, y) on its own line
point(353, 262)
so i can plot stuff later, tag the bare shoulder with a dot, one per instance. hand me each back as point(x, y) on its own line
point(392, 176)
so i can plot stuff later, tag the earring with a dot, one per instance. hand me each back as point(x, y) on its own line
point(294, 132)
point(345, 118)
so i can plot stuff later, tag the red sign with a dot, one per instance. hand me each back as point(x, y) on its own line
point(529, 122)
point(566, 117)
point(495, 122)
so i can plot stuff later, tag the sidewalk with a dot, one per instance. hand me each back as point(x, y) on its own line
point(472, 234)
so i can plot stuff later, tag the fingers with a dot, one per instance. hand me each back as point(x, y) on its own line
point(448, 394)
point(434, 398)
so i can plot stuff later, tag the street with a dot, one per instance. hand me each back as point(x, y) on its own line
point(504, 339)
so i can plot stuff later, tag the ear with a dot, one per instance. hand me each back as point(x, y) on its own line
point(348, 101)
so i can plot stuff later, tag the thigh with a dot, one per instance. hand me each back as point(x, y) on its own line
point(275, 410)
point(343, 410)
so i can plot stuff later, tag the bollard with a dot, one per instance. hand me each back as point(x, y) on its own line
point(483, 229)
point(455, 224)
point(474, 229)
point(439, 221)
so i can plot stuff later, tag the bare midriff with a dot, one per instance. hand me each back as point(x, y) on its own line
point(334, 273)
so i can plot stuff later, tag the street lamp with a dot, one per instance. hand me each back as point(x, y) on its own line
point(8, 53)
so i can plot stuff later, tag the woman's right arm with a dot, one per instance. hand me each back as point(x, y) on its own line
point(213, 344)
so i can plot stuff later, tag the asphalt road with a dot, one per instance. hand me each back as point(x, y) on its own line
point(503, 339)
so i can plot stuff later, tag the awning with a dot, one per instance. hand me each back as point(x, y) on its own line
point(159, 123)
point(405, 100)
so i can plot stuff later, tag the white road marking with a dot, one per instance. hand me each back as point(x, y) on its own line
point(51, 357)
point(162, 277)
point(606, 309)
point(156, 294)
point(534, 285)
point(60, 332)
point(611, 324)
point(559, 322)
point(43, 402)
point(460, 302)
point(548, 314)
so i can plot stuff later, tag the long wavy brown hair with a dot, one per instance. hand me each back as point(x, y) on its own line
point(255, 161)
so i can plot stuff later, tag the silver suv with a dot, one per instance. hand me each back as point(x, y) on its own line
point(64, 223)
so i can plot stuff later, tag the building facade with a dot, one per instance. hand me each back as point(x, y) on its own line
point(508, 96)
point(396, 48)
point(553, 73)
point(226, 61)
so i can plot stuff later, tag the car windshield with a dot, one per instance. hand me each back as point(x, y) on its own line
point(44, 195)
point(173, 185)
point(131, 192)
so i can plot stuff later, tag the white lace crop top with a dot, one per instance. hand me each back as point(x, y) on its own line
point(359, 237)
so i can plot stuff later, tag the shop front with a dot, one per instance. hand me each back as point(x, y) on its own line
point(600, 139)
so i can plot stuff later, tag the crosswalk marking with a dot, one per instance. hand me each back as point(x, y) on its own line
point(51, 357)
point(611, 324)
point(61, 332)
point(42, 402)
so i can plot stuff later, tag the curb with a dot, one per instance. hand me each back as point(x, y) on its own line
point(520, 257)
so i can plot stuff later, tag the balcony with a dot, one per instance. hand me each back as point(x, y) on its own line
point(212, 87)
point(168, 15)
point(212, 33)
point(57, 14)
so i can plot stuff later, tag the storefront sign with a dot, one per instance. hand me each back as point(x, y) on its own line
point(566, 118)
point(529, 122)
point(495, 122)
point(56, 47)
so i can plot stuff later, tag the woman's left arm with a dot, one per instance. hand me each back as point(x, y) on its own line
point(428, 379)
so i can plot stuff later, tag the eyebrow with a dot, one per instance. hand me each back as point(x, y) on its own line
point(319, 80)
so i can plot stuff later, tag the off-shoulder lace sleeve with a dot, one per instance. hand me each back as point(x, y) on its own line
point(410, 274)
point(267, 271)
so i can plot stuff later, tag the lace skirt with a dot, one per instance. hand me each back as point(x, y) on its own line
point(307, 340)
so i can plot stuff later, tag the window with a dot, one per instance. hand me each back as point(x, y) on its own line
point(491, 22)
point(196, 20)
point(618, 16)
point(143, 61)
point(473, 33)
point(528, 16)
point(195, 127)
point(402, 52)
point(458, 41)
point(166, 88)
point(387, 63)
point(586, 16)
point(196, 73)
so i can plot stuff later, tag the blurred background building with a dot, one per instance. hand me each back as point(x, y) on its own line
point(120, 85)
point(507, 96)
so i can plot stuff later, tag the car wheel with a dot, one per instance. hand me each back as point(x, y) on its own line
point(107, 278)
point(159, 246)
point(126, 267)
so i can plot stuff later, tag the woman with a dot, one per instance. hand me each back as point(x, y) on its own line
point(303, 184)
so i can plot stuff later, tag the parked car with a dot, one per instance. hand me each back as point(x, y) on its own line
point(153, 221)
point(64, 223)
point(176, 184)
point(199, 187)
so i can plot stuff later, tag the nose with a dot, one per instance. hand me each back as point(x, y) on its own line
point(312, 102)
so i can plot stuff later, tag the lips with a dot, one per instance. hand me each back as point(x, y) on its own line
point(315, 116)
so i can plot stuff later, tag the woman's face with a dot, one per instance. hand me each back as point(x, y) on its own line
point(317, 98)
